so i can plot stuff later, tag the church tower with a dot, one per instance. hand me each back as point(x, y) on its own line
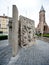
point(42, 26)
point(42, 15)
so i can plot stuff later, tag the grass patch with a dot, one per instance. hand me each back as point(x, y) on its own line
point(44, 35)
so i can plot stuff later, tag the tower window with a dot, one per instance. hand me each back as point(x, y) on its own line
point(0, 25)
point(44, 28)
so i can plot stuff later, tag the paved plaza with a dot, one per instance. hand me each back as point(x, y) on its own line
point(38, 54)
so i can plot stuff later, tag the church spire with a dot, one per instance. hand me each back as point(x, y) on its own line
point(42, 8)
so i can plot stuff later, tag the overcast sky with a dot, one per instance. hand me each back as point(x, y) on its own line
point(28, 8)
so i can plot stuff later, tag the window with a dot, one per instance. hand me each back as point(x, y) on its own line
point(0, 25)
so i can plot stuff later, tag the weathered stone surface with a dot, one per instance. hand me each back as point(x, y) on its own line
point(13, 30)
point(27, 31)
point(21, 32)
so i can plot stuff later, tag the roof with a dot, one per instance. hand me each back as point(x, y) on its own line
point(42, 8)
point(5, 17)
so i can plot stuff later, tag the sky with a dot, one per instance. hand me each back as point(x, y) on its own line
point(27, 8)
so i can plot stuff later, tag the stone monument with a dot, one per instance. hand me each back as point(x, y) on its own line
point(27, 31)
point(21, 32)
point(13, 30)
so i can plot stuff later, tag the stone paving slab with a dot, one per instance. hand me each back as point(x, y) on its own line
point(46, 39)
point(38, 54)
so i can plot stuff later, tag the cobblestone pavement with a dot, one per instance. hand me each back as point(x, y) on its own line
point(46, 39)
point(5, 52)
point(38, 54)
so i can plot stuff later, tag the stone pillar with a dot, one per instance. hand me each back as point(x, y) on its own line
point(13, 31)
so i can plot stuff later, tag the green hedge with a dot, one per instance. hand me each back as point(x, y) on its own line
point(3, 37)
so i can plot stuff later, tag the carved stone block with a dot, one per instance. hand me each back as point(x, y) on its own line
point(26, 31)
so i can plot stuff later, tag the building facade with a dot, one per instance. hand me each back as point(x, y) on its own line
point(4, 24)
point(42, 26)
